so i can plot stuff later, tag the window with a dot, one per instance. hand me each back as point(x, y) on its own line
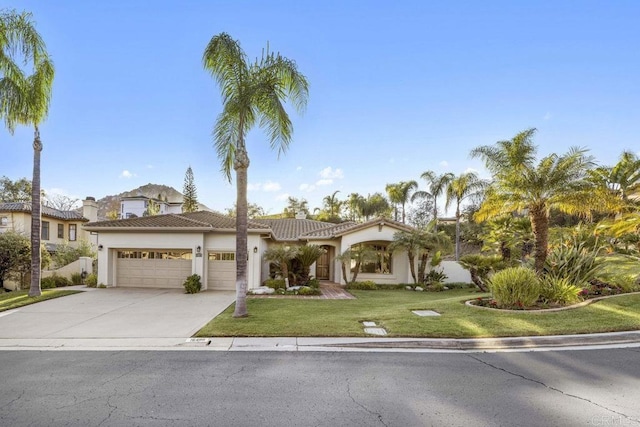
point(44, 230)
point(382, 264)
point(222, 256)
point(4, 221)
point(60, 231)
point(73, 228)
point(155, 254)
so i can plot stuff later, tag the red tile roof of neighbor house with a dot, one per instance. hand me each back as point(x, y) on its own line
point(46, 211)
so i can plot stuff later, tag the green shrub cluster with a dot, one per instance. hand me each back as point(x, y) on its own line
point(275, 283)
point(54, 281)
point(575, 262)
point(515, 287)
point(192, 285)
point(313, 283)
point(364, 286)
point(559, 291)
point(92, 280)
point(76, 279)
point(307, 290)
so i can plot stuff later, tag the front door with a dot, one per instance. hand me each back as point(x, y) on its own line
point(322, 266)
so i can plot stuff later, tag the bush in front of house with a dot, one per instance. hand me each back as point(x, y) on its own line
point(192, 285)
point(368, 285)
point(92, 280)
point(307, 290)
point(58, 281)
point(275, 283)
point(76, 278)
point(47, 283)
point(515, 287)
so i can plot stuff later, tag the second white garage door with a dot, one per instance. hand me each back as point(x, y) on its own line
point(153, 268)
point(221, 270)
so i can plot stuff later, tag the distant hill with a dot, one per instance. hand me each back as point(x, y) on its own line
point(110, 203)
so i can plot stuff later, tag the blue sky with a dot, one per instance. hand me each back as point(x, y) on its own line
point(396, 88)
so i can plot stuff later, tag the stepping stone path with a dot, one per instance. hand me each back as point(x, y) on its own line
point(372, 329)
point(425, 313)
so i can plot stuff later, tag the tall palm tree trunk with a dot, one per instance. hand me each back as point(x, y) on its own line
point(458, 232)
point(241, 165)
point(412, 266)
point(540, 229)
point(34, 289)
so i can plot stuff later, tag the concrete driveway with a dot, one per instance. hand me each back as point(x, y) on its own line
point(116, 313)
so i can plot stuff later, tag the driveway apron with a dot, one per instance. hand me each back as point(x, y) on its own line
point(117, 313)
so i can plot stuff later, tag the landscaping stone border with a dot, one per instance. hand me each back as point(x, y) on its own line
point(549, 310)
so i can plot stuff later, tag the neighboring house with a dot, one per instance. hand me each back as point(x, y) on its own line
point(136, 206)
point(57, 226)
point(161, 251)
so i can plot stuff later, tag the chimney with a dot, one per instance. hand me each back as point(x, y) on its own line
point(301, 215)
point(90, 209)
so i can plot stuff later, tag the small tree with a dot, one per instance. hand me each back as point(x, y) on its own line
point(307, 255)
point(189, 198)
point(281, 255)
point(361, 254)
point(66, 254)
point(15, 191)
point(15, 254)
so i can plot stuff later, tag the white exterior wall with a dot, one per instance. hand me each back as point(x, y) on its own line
point(455, 272)
point(111, 242)
point(175, 209)
point(400, 267)
point(227, 243)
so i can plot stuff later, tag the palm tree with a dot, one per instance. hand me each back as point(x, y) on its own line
point(307, 255)
point(399, 194)
point(623, 179)
point(332, 204)
point(437, 186)
point(521, 185)
point(281, 255)
point(252, 93)
point(465, 186)
point(24, 100)
point(359, 254)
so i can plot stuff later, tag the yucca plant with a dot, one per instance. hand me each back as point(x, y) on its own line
point(515, 287)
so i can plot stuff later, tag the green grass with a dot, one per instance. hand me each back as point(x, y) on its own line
point(392, 310)
point(11, 300)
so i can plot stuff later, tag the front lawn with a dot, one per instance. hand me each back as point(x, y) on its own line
point(15, 299)
point(392, 310)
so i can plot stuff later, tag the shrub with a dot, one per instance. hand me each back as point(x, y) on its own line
point(102, 286)
point(76, 279)
point(436, 287)
point(306, 290)
point(559, 291)
point(313, 283)
point(364, 286)
point(515, 287)
point(47, 283)
point(275, 283)
point(435, 276)
point(58, 281)
point(66, 254)
point(192, 285)
point(91, 280)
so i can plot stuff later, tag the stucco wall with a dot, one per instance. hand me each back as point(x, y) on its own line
point(21, 222)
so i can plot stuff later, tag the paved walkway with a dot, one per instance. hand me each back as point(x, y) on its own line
point(329, 290)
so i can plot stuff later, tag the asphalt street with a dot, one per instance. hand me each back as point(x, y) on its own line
point(196, 388)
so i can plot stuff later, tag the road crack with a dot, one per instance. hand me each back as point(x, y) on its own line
point(552, 388)
point(377, 415)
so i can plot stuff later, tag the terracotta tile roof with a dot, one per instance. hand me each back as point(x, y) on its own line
point(198, 220)
point(290, 229)
point(329, 232)
point(46, 211)
point(375, 221)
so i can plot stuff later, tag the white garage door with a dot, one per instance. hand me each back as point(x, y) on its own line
point(221, 270)
point(153, 268)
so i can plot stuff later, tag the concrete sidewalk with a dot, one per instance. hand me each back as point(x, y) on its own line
point(357, 344)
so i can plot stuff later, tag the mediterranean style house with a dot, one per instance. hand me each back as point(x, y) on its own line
point(162, 250)
point(57, 226)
